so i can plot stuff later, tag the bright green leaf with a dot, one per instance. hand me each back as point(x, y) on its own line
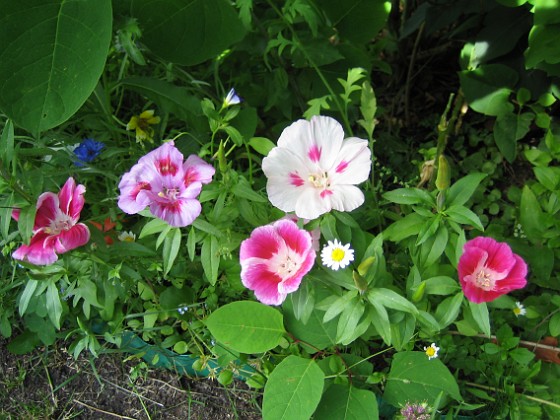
point(293, 389)
point(344, 402)
point(247, 327)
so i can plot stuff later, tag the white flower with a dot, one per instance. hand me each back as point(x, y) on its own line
point(314, 169)
point(126, 236)
point(335, 255)
point(231, 99)
point(431, 351)
point(519, 309)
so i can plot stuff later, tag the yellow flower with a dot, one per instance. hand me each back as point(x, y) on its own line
point(141, 123)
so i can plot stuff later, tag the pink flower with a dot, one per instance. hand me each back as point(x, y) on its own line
point(56, 229)
point(489, 269)
point(274, 259)
point(169, 186)
point(314, 169)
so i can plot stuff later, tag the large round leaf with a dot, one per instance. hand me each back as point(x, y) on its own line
point(53, 53)
point(199, 29)
point(247, 327)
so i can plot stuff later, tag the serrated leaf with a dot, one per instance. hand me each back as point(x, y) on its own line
point(52, 56)
point(247, 327)
point(293, 389)
point(344, 402)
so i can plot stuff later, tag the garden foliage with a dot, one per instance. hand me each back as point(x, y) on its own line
point(278, 189)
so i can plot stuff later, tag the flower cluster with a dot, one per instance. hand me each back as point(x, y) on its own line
point(167, 184)
point(56, 229)
point(489, 269)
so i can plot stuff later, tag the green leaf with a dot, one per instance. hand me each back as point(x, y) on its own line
point(407, 226)
point(543, 46)
point(409, 196)
point(54, 305)
point(348, 321)
point(177, 100)
point(293, 389)
point(171, 247)
point(462, 190)
point(531, 215)
point(487, 88)
point(380, 319)
point(368, 108)
point(357, 20)
point(554, 325)
point(509, 128)
point(391, 299)
point(413, 377)
point(26, 222)
point(247, 327)
point(549, 177)
point(448, 310)
point(7, 145)
point(464, 216)
point(344, 402)
point(152, 227)
point(303, 302)
point(210, 258)
point(441, 285)
point(187, 32)
point(262, 145)
point(27, 294)
point(52, 56)
point(480, 314)
point(438, 246)
point(243, 189)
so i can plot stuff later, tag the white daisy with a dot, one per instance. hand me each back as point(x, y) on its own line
point(335, 255)
point(519, 309)
point(431, 351)
point(127, 236)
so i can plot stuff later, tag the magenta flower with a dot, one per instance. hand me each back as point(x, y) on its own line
point(56, 229)
point(274, 259)
point(314, 169)
point(169, 186)
point(489, 269)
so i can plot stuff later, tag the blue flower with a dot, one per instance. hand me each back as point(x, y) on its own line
point(88, 150)
point(232, 98)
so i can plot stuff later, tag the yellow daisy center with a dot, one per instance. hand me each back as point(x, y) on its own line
point(338, 254)
point(430, 351)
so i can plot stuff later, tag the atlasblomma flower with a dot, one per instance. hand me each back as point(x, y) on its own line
point(56, 229)
point(274, 259)
point(88, 150)
point(169, 186)
point(141, 123)
point(335, 255)
point(431, 351)
point(519, 309)
point(314, 169)
point(488, 269)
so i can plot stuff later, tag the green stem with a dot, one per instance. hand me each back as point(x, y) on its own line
point(529, 397)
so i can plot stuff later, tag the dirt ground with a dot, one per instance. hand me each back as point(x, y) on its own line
point(51, 384)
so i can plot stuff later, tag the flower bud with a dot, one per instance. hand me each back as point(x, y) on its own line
point(419, 293)
point(360, 282)
point(365, 265)
point(443, 178)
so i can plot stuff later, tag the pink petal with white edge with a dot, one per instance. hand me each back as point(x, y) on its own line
point(78, 235)
point(500, 256)
point(353, 163)
point(257, 277)
point(263, 244)
point(71, 198)
point(318, 140)
point(165, 160)
point(295, 238)
point(196, 169)
point(48, 207)
point(36, 252)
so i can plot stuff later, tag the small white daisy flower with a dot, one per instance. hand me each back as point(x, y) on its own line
point(126, 236)
point(335, 255)
point(519, 309)
point(431, 351)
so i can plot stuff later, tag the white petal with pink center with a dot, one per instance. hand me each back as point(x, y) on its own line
point(313, 170)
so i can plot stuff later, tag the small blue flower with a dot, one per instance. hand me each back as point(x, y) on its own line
point(232, 98)
point(88, 150)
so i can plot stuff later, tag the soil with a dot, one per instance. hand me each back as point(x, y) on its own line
point(51, 384)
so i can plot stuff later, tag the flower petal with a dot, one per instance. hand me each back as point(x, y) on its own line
point(36, 252)
point(263, 244)
point(196, 169)
point(75, 237)
point(178, 213)
point(47, 210)
point(353, 163)
point(500, 256)
point(263, 282)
